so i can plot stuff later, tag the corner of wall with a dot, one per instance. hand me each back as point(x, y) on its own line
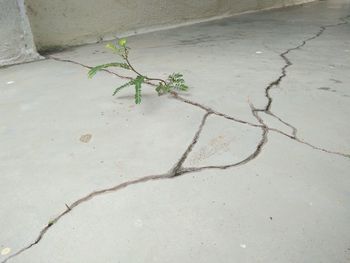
point(17, 45)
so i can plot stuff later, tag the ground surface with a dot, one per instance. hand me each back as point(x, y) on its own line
point(251, 165)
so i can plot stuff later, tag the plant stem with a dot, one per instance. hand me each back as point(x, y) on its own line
point(139, 74)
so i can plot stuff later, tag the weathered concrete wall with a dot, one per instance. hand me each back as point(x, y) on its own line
point(58, 23)
point(16, 40)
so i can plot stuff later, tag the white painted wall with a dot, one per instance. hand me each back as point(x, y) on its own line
point(59, 23)
point(16, 41)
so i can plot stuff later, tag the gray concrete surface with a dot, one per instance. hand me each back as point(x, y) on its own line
point(16, 45)
point(215, 175)
point(57, 23)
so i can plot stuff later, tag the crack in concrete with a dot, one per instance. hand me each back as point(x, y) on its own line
point(294, 130)
point(176, 171)
point(178, 168)
point(277, 82)
point(88, 67)
point(176, 96)
point(288, 63)
point(258, 149)
point(69, 208)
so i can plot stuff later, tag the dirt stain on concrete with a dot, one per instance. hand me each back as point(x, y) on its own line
point(85, 138)
point(216, 145)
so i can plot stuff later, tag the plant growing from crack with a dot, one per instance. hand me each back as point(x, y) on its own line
point(174, 81)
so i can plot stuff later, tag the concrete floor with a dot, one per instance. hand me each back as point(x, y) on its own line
point(254, 185)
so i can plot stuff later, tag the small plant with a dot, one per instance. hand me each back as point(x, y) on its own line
point(174, 81)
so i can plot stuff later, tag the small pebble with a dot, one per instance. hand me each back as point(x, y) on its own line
point(5, 251)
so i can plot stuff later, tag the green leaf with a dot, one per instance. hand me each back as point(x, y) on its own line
point(183, 87)
point(138, 82)
point(163, 88)
point(176, 77)
point(123, 86)
point(177, 82)
point(122, 42)
point(92, 72)
point(159, 89)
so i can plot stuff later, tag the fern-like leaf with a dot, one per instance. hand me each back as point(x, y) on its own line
point(138, 82)
point(163, 88)
point(123, 86)
point(159, 89)
point(181, 87)
point(92, 72)
point(177, 82)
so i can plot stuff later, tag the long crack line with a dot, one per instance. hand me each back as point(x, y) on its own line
point(69, 208)
point(277, 82)
point(176, 96)
point(267, 109)
point(309, 144)
point(81, 201)
point(176, 171)
point(292, 137)
point(288, 63)
point(178, 168)
point(208, 109)
point(86, 66)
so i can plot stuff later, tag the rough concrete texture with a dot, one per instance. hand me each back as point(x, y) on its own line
point(16, 45)
point(57, 23)
point(251, 165)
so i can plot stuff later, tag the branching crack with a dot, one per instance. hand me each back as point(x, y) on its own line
point(277, 82)
point(178, 169)
point(257, 151)
point(178, 97)
point(69, 208)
